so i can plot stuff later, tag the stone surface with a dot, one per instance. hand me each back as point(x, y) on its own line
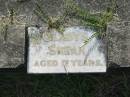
point(21, 20)
point(118, 43)
point(56, 53)
point(12, 46)
point(55, 7)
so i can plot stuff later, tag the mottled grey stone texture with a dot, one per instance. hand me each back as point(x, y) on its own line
point(12, 49)
point(118, 36)
point(54, 7)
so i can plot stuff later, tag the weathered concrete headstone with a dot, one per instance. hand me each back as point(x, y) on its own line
point(12, 44)
point(118, 41)
point(53, 52)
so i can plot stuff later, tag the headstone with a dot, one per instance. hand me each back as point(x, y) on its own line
point(55, 52)
point(12, 45)
point(118, 42)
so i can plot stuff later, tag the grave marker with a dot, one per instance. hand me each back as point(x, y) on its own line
point(53, 52)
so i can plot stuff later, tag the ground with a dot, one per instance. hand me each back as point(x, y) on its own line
point(114, 83)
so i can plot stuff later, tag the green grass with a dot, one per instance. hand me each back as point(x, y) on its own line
point(52, 22)
point(111, 84)
point(97, 22)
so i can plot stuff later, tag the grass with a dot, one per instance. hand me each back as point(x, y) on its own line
point(97, 22)
point(52, 22)
point(111, 84)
